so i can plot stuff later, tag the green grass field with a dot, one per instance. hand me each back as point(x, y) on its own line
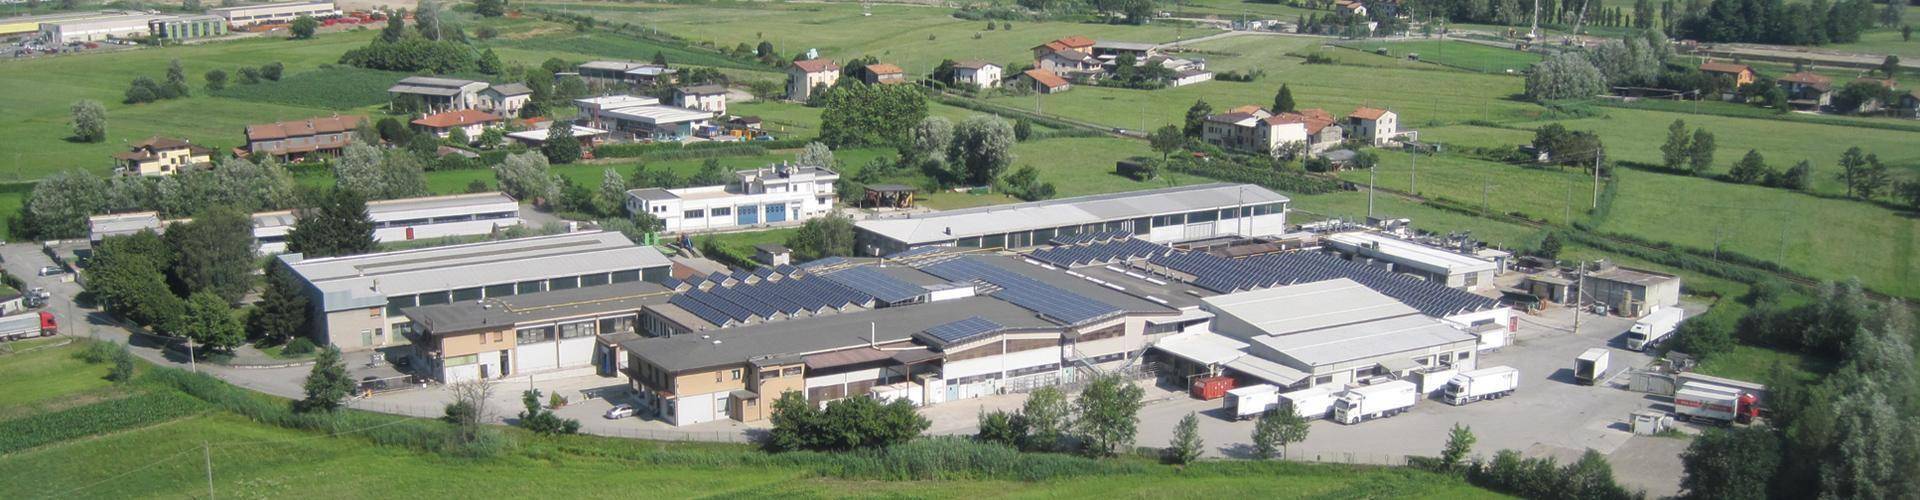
point(42, 376)
point(342, 88)
point(1463, 55)
point(914, 37)
point(173, 459)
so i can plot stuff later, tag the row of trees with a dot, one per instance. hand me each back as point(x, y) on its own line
point(861, 115)
point(59, 204)
point(1851, 433)
point(182, 284)
point(144, 89)
point(432, 46)
point(1777, 21)
point(975, 152)
point(1102, 421)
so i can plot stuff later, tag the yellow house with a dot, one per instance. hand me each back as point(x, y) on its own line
point(161, 156)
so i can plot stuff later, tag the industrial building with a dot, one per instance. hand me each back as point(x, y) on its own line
point(1328, 332)
point(409, 219)
point(1439, 265)
point(440, 94)
point(1627, 291)
point(187, 27)
point(99, 227)
point(777, 194)
point(20, 25)
point(1158, 215)
point(575, 329)
point(274, 12)
point(96, 29)
point(357, 301)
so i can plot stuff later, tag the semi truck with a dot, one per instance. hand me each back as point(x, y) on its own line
point(1313, 402)
point(1653, 329)
point(1485, 383)
point(1251, 401)
point(1591, 367)
point(1369, 402)
point(26, 326)
point(1696, 401)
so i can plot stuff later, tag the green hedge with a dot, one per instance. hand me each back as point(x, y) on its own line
point(97, 418)
point(419, 434)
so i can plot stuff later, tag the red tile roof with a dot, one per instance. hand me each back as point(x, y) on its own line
point(885, 69)
point(1076, 42)
point(1046, 78)
point(1809, 78)
point(457, 118)
point(1720, 67)
point(301, 128)
point(1366, 113)
point(816, 65)
point(1248, 109)
point(1314, 118)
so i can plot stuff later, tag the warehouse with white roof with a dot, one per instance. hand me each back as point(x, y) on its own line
point(1435, 264)
point(1157, 215)
point(408, 219)
point(357, 300)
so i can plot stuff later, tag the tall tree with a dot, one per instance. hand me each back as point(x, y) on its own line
point(1275, 430)
point(327, 384)
point(526, 176)
point(1109, 414)
point(1049, 418)
point(89, 121)
point(1679, 145)
point(1459, 443)
point(1196, 123)
point(213, 253)
point(396, 28)
point(216, 79)
point(561, 146)
point(982, 148)
point(612, 198)
point(337, 225)
point(931, 137)
point(830, 236)
point(1853, 164)
point(1874, 178)
point(176, 86)
point(1700, 153)
point(304, 27)
point(210, 323)
point(1166, 140)
point(1751, 168)
point(1796, 178)
point(281, 312)
point(1566, 75)
point(1732, 464)
point(1283, 100)
point(1186, 444)
point(816, 154)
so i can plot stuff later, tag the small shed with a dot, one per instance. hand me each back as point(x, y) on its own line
point(772, 254)
point(889, 196)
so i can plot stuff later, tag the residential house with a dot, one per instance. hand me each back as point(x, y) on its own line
point(439, 94)
point(1353, 7)
point(710, 98)
point(1069, 63)
point(652, 74)
point(1076, 42)
point(296, 139)
point(505, 99)
point(161, 156)
point(980, 74)
point(1739, 74)
point(875, 74)
point(470, 122)
point(775, 194)
point(1046, 82)
point(1323, 131)
point(1908, 104)
point(1807, 90)
point(1373, 125)
point(1253, 129)
point(804, 76)
point(1873, 105)
point(1113, 50)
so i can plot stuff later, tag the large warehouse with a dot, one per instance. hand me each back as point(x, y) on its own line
point(408, 219)
point(522, 334)
point(274, 12)
point(1439, 265)
point(358, 300)
point(99, 28)
point(1158, 215)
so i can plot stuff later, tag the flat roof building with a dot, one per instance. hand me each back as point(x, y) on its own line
point(358, 300)
point(440, 94)
point(1328, 332)
point(1630, 292)
point(778, 194)
point(575, 329)
point(1157, 215)
point(99, 28)
point(1440, 265)
point(408, 219)
point(99, 227)
point(274, 12)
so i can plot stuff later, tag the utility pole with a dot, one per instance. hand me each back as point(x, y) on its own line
point(1533, 32)
point(206, 451)
point(1580, 281)
point(1372, 174)
point(1413, 177)
point(191, 364)
point(1596, 180)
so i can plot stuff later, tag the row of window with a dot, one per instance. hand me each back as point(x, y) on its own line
point(446, 219)
point(1141, 225)
point(396, 304)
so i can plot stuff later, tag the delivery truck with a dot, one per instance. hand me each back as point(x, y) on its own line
point(1702, 402)
point(1485, 383)
point(1313, 402)
point(1650, 331)
point(1251, 401)
point(1591, 367)
point(26, 326)
point(1369, 402)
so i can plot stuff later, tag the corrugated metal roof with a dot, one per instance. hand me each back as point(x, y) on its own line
point(952, 224)
point(1365, 340)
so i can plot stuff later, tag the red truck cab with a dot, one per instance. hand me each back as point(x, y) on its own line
point(48, 326)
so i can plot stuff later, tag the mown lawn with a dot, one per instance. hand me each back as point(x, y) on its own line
point(1640, 133)
point(42, 375)
point(1463, 55)
point(1537, 192)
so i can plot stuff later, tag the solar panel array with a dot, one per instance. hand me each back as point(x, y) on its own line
point(1099, 253)
point(871, 281)
point(1093, 237)
point(1025, 292)
point(962, 331)
point(1230, 275)
point(727, 300)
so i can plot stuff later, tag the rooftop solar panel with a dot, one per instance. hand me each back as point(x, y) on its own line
point(877, 284)
point(722, 305)
point(1050, 301)
point(965, 330)
point(703, 311)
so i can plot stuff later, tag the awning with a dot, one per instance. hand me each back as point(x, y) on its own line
point(846, 357)
point(915, 356)
point(1206, 348)
point(1397, 365)
point(1257, 367)
point(744, 395)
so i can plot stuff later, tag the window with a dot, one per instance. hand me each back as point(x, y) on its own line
point(1473, 279)
point(1142, 225)
point(1230, 213)
point(461, 360)
point(563, 283)
point(373, 312)
point(428, 299)
point(499, 336)
point(1169, 220)
point(534, 335)
point(1446, 357)
point(466, 294)
point(791, 371)
point(735, 374)
point(748, 214)
point(577, 330)
point(587, 280)
point(627, 276)
point(993, 241)
point(1043, 235)
point(500, 290)
point(531, 286)
point(1323, 379)
point(695, 214)
point(1202, 216)
point(623, 324)
point(769, 374)
point(1463, 356)
point(971, 242)
point(722, 211)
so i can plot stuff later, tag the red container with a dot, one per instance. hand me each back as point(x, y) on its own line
point(1211, 388)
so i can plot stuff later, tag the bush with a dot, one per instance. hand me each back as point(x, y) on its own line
point(93, 419)
point(419, 435)
point(97, 352)
point(299, 346)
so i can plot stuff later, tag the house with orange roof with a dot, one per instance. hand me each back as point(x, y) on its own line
point(1076, 42)
point(299, 138)
point(1807, 90)
point(1046, 82)
point(804, 76)
point(470, 122)
point(875, 74)
point(1373, 125)
point(161, 156)
point(1740, 73)
point(1253, 129)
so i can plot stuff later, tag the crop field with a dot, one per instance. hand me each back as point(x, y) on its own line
point(1234, 9)
point(1463, 55)
point(339, 87)
point(577, 46)
point(914, 37)
point(163, 457)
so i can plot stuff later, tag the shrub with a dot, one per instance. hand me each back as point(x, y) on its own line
point(420, 435)
point(299, 346)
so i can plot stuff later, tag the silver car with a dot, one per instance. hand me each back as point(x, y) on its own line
point(620, 411)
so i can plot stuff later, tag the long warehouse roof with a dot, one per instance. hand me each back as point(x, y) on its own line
point(1365, 340)
point(1306, 307)
point(366, 280)
point(952, 224)
point(1403, 252)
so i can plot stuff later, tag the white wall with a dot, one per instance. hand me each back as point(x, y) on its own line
point(538, 357)
point(696, 408)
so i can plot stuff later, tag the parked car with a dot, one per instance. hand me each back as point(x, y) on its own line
point(620, 411)
point(52, 271)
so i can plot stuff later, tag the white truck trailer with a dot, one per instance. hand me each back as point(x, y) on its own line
point(1365, 403)
point(1485, 383)
point(1591, 367)
point(1697, 401)
point(1253, 400)
point(1653, 329)
point(26, 326)
point(1313, 402)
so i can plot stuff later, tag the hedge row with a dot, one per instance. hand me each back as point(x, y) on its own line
point(418, 434)
point(1291, 182)
point(97, 418)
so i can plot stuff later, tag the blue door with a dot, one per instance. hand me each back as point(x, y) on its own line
point(776, 213)
point(747, 214)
